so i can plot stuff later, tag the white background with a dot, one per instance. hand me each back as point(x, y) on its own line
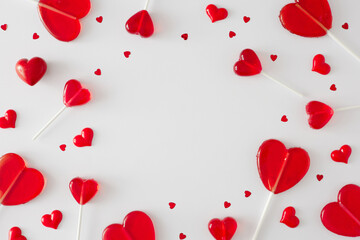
point(173, 122)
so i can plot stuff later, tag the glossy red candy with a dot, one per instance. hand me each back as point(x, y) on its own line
point(320, 66)
point(343, 217)
point(216, 14)
point(307, 18)
point(8, 121)
point(280, 169)
point(85, 139)
point(341, 155)
point(222, 229)
point(61, 17)
point(31, 71)
point(319, 114)
point(52, 220)
point(75, 94)
point(83, 190)
point(141, 24)
point(15, 234)
point(18, 184)
point(289, 218)
point(248, 64)
point(136, 226)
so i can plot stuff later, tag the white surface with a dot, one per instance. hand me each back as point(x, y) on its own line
point(173, 122)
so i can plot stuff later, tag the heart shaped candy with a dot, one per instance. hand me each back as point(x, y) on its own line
point(75, 94)
point(341, 155)
point(83, 190)
point(216, 14)
point(222, 229)
point(52, 220)
point(61, 17)
point(307, 18)
point(319, 114)
point(141, 24)
point(137, 226)
point(248, 64)
point(343, 217)
point(8, 121)
point(15, 234)
point(320, 66)
point(280, 169)
point(85, 139)
point(18, 184)
point(289, 218)
point(31, 71)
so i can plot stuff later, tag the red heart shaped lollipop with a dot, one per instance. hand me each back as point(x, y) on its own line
point(280, 169)
point(52, 220)
point(341, 155)
point(137, 226)
point(222, 229)
point(8, 121)
point(289, 218)
point(307, 18)
point(83, 190)
point(85, 139)
point(75, 94)
point(320, 66)
point(61, 17)
point(141, 24)
point(343, 217)
point(248, 64)
point(319, 114)
point(31, 71)
point(15, 234)
point(216, 14)
point(18, 184)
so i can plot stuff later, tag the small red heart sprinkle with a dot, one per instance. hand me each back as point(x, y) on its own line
point(333, 87)
point(342, 155)
point(232, 34)
point(35, 36)
point(15, 234)
point(247, 194)
point(127, 54)
point(246, 19)
point(172, 205)
point(289, 218)
point(8, 121)
point(319, 177)
point(216, 14)
point(99, 19)
point(52, 220)
point(185, 36)
point(85, 139)
point(98, 72)
point(227, 204)
point(182, 236)
point(4, 27)
point(63, 147)
point(345, 26)
point(320, 66)
point(273, 57)
point(284, 118)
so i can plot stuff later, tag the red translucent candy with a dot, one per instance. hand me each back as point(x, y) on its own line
point(320, 66)
point(289, 218)
point(75, 94)
point(216, 14)
point(222, 229)
point(141, 24)
point(342, 155)
point(307, 18)
point(280, 169)
point(343, 217)
point(83, 190)
point(52, 220)
point(9, 120)
point(136, 226)
point(15, 234)
point(61, 17)
point(18, 184)
point(248, 64)
point(319, 114)
point(85, 139)
point(31, 71)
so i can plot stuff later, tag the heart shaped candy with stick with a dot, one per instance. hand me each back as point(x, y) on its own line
point(62, 17)
point(319, 114)
point(140, 24)
point(83, 190)
point(136, 226)
point(248, 64)
point(343, 217)
point(31, 71)
point(18, 183)
point(222, 229)
point(75, 94)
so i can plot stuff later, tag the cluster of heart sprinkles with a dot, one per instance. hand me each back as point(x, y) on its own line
point(279, 168)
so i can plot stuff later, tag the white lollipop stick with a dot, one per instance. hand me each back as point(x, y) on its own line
point(346, 108)
point(79, 222)
point(280, 83)
point(48, 123)
point(261, 221)
point(146, 4)
point(53, 9)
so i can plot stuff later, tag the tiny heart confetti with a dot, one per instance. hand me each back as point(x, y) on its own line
point(289, 219)
point(52, 220)
point(31, 71)
point(223, 229)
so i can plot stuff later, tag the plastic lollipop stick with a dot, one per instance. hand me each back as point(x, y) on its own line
point(280, 83)
point(79, 222)
point(146, 5)
point(347, 108)
point(262, 218)
point(49, 123)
